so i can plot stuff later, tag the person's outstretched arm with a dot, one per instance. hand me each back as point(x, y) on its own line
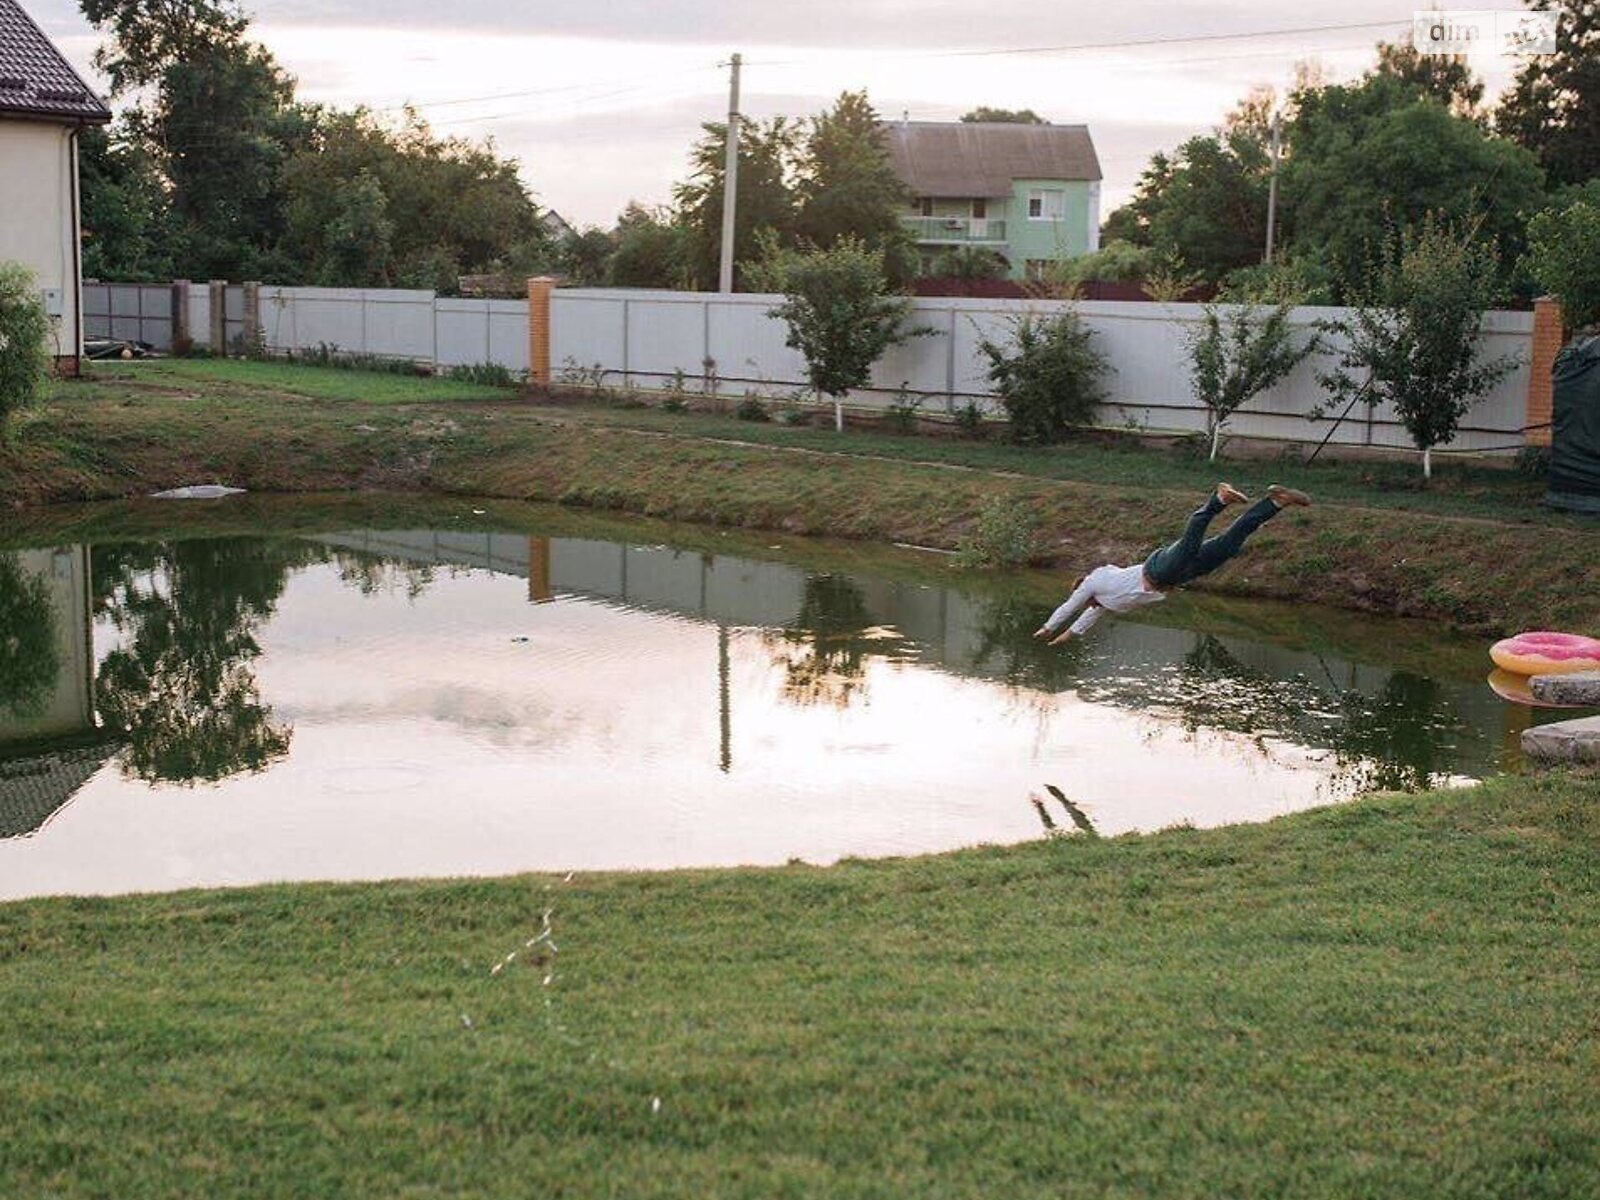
point(1081, 595)
point(1082, 625)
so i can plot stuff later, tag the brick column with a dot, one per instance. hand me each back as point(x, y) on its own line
point(181, 334)
point(539, 289)
point(1549, 335)
point(218, 289)
point(254, 342)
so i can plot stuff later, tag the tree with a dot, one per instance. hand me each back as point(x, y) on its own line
point(29, 659)
point(1413, 338)
point(1369, 160)
point(1553, 107)
point(764, 201)
point(1003, 116)
point(839, 314)
point(360, 236)
point(126, 216)
point(586, 256)
point(151, 36)
point(649, 251)
point(846, 185)
point(970, 263)
point(1448, 78)
point(1564, 256)
point(1234, 357)
point(24, 329)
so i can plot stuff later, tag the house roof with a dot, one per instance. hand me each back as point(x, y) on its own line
point(35, 81)
point(981, 158)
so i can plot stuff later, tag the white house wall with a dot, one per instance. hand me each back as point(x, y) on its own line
point(37, 168)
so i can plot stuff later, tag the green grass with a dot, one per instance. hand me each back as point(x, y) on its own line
point(322, 383)
point(1390, 998)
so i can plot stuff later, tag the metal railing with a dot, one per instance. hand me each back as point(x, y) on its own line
point(959, 230)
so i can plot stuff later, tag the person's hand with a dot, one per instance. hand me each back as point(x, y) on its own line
point(1066, 636)
point(1042, 631)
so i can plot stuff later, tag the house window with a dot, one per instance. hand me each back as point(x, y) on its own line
point(1046, 204)
point(925, 206)
point(980, 210)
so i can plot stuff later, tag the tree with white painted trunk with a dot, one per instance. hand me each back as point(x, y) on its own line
point(1236, 355)
point(1413, 339)
point(840, 314)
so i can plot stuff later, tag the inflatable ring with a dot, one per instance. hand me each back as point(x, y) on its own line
point(1544, 653)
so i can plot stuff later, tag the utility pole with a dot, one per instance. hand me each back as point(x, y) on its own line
point(1272, 185)
point(730, 180)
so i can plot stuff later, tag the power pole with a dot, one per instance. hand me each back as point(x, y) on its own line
point(730, 180)
point(1272, 186)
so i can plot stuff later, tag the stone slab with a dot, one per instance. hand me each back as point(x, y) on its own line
point(1564, 741)
point(1577, 688)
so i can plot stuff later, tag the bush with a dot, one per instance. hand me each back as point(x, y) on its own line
point(1049, 376)
point(485, 375)
point(675, 403)
point(969, 420)
point(751, 409)
point(326, 354)
point(1564, 256)
point(1002, 536)
point(24, 330)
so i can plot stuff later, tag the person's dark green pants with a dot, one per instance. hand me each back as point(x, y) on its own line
point(1194, 554)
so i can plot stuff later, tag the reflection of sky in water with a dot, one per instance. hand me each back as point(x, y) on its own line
point(669, 708)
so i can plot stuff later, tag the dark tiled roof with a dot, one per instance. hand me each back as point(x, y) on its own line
point(35, 80)
point(32, 788)
point(957, 159)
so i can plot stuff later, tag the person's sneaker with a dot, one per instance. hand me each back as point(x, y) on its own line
point(1285, 496)
point(1229, 494)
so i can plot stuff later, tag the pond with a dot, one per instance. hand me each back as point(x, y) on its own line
point(475, 695)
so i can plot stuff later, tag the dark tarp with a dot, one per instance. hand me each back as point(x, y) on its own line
point(1575, 433)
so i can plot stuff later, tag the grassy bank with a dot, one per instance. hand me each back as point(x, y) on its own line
point(271, 427)
point(1389, 998)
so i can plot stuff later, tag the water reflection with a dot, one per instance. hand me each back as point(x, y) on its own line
point(485, 699)
point(179, 687)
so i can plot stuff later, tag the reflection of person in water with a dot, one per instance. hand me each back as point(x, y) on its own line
point(1119, 589)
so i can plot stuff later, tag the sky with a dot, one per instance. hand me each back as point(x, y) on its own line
point(600, 102)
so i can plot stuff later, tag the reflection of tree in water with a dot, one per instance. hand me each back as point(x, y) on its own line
point(1400, 738)
point(181, 688)
point(371, 574)
point(824, 655)
point(29, 660)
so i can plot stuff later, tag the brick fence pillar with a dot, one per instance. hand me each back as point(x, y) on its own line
point(539, 289)
point(218, 289)
point(1549, 334)
point(254, 341)
point(181, 333)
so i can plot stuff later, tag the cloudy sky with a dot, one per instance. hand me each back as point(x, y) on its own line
point(600, 100)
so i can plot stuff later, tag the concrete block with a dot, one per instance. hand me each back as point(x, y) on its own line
point(1564, 741)
point(1580, 688)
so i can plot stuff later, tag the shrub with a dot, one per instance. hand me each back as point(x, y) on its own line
point(1049, 376)
point(751, 409)
point(1002, 536)
point(902, 414)
point(1564, 256)
point(675, 403)
point(1412, 340)
point(969, 419)
point(24, 330)
point(485, 374)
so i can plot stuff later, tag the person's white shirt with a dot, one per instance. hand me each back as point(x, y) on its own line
point(1104, 589)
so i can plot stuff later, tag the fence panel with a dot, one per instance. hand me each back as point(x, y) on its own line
point(129, 312)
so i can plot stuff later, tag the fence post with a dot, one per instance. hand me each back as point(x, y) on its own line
point(1549, 332)
point(180, 314)
point(254, 335)
point(219, 317)
point(539, 289)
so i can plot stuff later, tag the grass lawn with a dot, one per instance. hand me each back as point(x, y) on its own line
point(1394, 997)
point(322, 383)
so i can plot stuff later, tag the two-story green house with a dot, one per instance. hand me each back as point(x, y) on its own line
point(1031, 193)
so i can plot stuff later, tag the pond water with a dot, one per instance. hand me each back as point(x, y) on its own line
point(373, 703)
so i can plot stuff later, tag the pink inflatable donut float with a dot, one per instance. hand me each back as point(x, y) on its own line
point(1546, 653)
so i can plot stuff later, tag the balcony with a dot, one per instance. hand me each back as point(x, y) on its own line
point(956, 231)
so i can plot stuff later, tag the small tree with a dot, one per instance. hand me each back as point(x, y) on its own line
point(839, 312)
point(1049, 375)
point(1564, 256)
point(1235, 357)
point(24, 328)
point(1413, 339)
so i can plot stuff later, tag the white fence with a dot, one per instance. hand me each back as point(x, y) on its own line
point(395, 323)
point(729, 344)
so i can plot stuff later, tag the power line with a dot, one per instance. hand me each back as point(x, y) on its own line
point(550, 91)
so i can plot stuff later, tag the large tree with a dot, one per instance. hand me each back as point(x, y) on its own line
point(1553, 108)
point(1002, 116)
point(127, 220)
point(765, 199)
point(1448, 78)
point(846, 184)
point(1368, 160)
point(649, 251)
